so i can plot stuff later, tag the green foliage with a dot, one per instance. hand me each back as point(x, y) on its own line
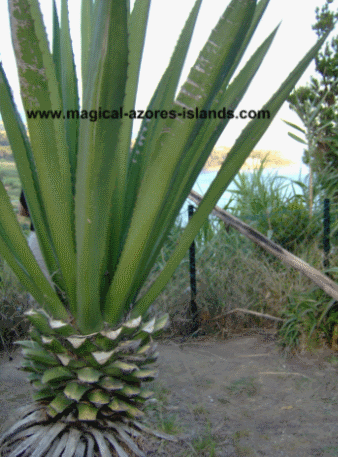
point(316, 105)
point(265, 202)
point(5, 149)
point(290, 223)
point(295, 315)
point(308, 316)
point(205, 443)
point(211, 226)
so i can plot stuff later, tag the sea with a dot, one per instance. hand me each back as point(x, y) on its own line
point(291, 172)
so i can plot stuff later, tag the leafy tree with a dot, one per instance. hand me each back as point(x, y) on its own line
point(316, 106)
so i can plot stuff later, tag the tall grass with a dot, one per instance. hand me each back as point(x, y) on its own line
point(277, 207)
point(233, 272)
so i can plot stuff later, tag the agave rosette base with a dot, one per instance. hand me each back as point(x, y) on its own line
point(89, 390)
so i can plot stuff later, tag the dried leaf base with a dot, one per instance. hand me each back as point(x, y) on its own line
point(37, 435)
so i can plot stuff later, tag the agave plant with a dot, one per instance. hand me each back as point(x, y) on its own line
point(102, 209)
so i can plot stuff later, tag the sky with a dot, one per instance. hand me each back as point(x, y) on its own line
point(166, 19)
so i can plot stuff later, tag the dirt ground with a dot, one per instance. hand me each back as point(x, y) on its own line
point(234, 397)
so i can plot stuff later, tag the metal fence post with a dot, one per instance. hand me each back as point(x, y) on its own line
point(192, 269)
point(326, 234)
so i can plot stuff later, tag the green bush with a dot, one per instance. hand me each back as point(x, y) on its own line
point(291, 224)
point(267, 203)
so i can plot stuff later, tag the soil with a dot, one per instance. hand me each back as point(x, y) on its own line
point(234, 397)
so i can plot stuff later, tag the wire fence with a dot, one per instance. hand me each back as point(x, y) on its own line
point(326, 246)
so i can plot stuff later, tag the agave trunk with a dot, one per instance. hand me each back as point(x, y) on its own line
point(89, 389)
